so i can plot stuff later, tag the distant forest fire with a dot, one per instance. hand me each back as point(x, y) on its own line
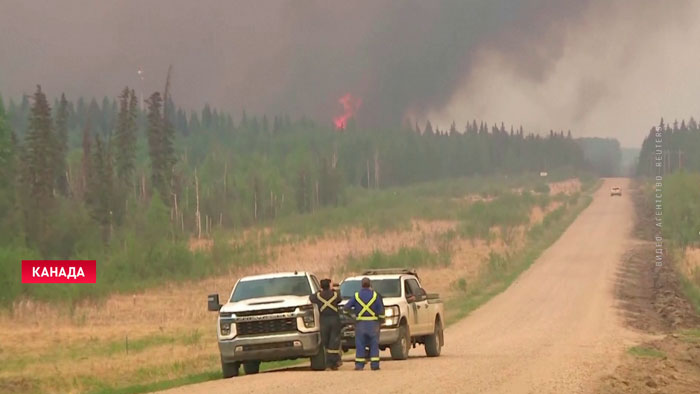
point(350, 106)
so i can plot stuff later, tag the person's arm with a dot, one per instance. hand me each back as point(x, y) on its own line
point(351, 304)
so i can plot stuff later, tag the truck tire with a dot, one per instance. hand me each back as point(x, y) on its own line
point(399, 349)
point(318, 362)
point(230, 370)
point(433, 343)
point(251, 367)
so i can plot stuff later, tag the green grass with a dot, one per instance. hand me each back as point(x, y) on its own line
point(647, 352)
point(393, 208)
point(405, 257)
point(94, 348)
point(163, 384)
point(681, 222)
point(188, 379)
point(506, 211)
point(691, 335)
point(691, 289)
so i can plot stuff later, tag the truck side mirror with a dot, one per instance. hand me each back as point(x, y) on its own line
point(213, 303)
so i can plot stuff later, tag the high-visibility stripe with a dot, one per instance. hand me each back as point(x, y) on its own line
point(366, 307)
point(327, 303)
point(331, 351)
point(374, 359)
point(360, 360)
point(367, 318)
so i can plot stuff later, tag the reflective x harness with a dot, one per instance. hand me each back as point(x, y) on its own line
point(366, 307)
point(327, 303)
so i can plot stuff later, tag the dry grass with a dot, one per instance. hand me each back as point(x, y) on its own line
point(690, 265)
point(568, 187)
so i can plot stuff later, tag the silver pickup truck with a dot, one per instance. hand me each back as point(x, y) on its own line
point(268, 318)
point(412, 315)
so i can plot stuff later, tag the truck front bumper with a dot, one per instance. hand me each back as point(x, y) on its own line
point(387, 336)
point(271, 347)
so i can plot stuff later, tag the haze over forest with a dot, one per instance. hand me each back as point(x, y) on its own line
point(598, 68)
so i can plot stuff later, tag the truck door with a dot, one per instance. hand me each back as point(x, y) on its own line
point(412, 307)
point(424, 319)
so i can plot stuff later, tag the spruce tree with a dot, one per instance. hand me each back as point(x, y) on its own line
point(155, 145)
point(100, 188)
point(428, 128)
point(39, 152)
point(86, 160)
point(125, 138)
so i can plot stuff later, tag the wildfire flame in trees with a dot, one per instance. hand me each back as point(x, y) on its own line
point(350, 106)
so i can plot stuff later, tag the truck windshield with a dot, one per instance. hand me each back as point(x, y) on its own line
point(385, 287)
point(270, 287)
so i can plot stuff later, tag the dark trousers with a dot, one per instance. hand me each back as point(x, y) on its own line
point(367, 335)
point(330, 337)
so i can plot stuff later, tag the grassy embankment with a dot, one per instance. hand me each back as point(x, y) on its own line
point(681, 227)
point(371, 210)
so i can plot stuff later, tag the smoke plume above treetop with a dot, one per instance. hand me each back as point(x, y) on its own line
point(402, 59)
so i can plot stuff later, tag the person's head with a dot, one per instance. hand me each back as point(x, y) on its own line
point(365, 283)
point(325, 284)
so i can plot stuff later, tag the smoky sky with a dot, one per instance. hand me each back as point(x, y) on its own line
point(404, 59)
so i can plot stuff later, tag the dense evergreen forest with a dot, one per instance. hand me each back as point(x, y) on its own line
point(677, 144)
point(129, 177)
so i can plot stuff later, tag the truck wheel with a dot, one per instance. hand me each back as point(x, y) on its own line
point(399, 349)
point(318, 362)
point(251, 367)
point(433, 343)
point(230, 369)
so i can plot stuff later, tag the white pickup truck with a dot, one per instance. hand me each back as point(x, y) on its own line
point(268, 318)
point(412, 315)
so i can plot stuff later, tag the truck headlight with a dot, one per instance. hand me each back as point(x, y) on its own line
point(308, 315)
point(226, 324)
point(225, 327)
point(391, 314)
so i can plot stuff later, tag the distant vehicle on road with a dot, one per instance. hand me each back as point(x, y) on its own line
point(268, 318)
point(615, 191)
point(412, 315)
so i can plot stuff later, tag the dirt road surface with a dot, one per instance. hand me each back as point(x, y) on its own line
point(556, 329)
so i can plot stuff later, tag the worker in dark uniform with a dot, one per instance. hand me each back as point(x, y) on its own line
point(327, 300)
point(369, 307)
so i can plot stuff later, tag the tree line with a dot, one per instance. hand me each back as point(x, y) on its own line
point(76, 177)
point(671, 147)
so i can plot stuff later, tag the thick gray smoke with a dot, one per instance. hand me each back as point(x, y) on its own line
point(292, 56)
point(403, 58)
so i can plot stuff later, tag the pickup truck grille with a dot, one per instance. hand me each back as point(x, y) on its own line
point(266, 311)
point(266, 326)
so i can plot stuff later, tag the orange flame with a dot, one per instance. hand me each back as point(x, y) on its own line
point(350, 106)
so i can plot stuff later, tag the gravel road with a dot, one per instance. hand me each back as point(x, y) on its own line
point(556, 329)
